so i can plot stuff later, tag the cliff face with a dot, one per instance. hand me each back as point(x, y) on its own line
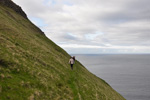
point(32, 67)
point(18, 10)
point(13, 6)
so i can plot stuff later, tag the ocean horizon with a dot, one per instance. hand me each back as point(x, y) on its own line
point(128, 74)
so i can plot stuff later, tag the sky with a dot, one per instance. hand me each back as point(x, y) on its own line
point(93, 26)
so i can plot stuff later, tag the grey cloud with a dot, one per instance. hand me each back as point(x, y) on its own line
point(122, 22)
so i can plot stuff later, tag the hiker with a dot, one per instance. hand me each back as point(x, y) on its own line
point(71, 62)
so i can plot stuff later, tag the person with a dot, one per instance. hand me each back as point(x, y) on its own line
point(71, 62)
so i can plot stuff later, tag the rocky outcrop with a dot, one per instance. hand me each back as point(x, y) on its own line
point(11, 4)
point(18, 9)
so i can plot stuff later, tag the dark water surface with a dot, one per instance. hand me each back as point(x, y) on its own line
point(127, 74)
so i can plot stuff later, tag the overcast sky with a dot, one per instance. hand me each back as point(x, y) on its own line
point(93, 26)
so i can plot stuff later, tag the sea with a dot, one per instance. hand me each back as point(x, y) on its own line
point(128, 74)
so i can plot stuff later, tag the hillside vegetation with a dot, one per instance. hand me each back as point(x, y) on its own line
point(32, 67)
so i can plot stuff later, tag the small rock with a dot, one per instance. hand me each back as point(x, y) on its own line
point(22, 83)
point(37, 93)
point(2, 76)
point(18, 70)
point(31, 97)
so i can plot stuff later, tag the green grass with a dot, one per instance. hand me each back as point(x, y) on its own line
point(34, 67)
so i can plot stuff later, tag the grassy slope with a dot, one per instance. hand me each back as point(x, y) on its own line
point(33, 67)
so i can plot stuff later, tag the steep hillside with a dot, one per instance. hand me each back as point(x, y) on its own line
point(32, 67)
